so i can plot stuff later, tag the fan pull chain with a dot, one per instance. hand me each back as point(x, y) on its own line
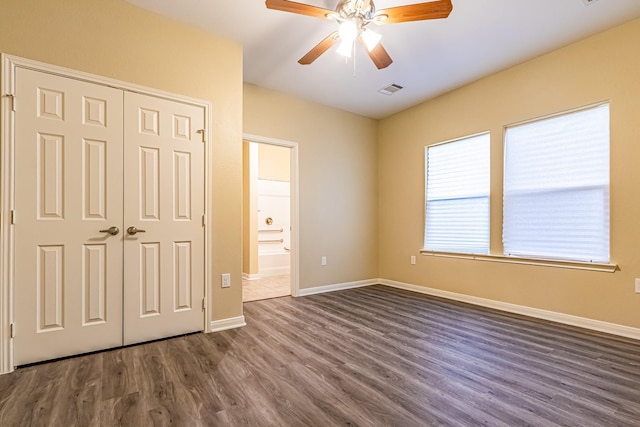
point(353, 53)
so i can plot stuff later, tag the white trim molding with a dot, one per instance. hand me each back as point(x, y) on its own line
point(7, 90)
point(294, 180)
point(337, 287)
point(247, 276)
point(229, 323)
point(567, 319)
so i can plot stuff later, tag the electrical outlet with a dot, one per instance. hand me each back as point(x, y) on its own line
point(413, 260)
point(637, 286)
point(324, 260)
point(226, 280)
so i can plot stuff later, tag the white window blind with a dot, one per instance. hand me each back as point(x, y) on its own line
point(457, 196)
point(556, 187)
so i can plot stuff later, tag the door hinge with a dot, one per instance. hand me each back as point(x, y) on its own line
point(12, 217)
point(203, 133)
point(203, 304)
point(12, 330)
point(204, 221)
point(13, 101)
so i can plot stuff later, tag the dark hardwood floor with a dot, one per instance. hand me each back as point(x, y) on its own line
point(371, 356)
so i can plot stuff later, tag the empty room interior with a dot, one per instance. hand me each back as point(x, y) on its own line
point(323, 213)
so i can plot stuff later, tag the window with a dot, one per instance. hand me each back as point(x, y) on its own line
point(457, 196)
point(556, 187)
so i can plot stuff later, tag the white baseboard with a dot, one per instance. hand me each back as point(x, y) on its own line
point(337, 287)
point(567, 319)
point(230, 323)
point(247, 276)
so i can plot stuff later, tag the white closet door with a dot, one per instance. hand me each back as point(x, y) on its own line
point(68, 187)
point(164, 196)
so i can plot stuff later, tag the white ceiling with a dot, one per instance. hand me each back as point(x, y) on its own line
point(480, 37)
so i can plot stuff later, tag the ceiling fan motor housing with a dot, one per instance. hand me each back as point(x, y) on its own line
point(363, 9)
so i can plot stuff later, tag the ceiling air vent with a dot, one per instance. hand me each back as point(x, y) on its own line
point(588, 2)
point(391, 89)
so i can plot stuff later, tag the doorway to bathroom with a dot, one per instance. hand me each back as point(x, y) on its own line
point(269, 264)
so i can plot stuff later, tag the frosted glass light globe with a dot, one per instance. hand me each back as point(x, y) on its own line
point(348, 31)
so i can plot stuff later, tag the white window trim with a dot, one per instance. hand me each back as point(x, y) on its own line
point(575, 265)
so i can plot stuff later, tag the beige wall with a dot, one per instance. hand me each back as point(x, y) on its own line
point(114, 39)
point(605, 67)
point(273, 162)
point(338, 182)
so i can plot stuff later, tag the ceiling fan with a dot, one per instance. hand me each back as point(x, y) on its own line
point(354, 16)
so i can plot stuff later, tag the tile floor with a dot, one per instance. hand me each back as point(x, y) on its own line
point(267, 287)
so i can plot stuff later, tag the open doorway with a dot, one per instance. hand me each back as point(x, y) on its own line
point(269, 250)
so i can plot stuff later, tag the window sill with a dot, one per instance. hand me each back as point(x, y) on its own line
point(576, 265)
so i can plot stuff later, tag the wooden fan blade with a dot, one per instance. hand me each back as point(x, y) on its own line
point(414, 12)
point(378, 55)
point(320, 48)
point(300, 8)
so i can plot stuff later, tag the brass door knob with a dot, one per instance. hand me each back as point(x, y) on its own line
point(132, 231)
point(113, 230)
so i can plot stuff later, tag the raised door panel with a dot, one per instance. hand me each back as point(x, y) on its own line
point(94, 179)
point(94, 284)
point(50, 288)
point(50, 176)
point(149, 183)
point(149, 276)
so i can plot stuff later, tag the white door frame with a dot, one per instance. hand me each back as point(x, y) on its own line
point(7, 182)
point(295, 196)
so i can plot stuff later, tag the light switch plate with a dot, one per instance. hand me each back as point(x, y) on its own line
point(226, 280)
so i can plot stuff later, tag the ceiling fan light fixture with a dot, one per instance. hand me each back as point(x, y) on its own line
point(370, 39)
point(345, 48)
point(348, 31)
point(354, 15)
